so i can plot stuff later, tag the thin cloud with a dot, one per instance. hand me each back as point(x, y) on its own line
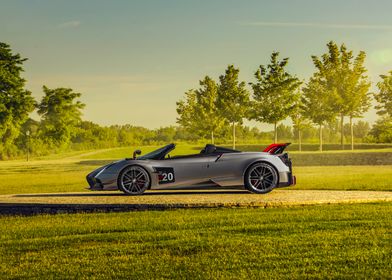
point(70, 24)
point(317, 25)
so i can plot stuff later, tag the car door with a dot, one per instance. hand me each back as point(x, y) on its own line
point(227, 169)
point(187, 170)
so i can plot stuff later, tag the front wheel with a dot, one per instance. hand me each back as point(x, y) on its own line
point(133, 180)
point(261, 178)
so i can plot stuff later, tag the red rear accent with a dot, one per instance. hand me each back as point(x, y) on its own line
point(276, 148)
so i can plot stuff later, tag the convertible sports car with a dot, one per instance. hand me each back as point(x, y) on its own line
point(258, 172)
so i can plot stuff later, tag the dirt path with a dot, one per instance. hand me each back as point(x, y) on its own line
point(200, 198)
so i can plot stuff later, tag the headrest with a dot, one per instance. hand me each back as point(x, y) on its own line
point(209, 149)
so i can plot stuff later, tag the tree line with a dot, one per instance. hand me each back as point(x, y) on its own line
point(338, 89)
point(216, 110)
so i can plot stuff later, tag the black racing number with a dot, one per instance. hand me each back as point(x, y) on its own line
point(165, 175)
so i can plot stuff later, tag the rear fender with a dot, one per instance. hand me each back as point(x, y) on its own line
point(261, 161)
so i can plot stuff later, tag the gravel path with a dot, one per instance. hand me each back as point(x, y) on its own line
point(202, 198)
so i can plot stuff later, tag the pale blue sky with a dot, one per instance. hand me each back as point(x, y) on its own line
point(132, 60)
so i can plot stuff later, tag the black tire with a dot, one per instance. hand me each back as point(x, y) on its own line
point(261, 178)
point(133, 180)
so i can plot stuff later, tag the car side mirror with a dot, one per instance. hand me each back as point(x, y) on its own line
point(136, 152)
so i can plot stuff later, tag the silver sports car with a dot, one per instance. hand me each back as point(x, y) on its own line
point(258, 172)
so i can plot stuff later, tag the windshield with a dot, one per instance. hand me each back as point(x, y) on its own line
point(158, 154)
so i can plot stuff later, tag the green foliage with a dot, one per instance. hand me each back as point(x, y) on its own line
point(300, 123)
point(275, 92)
point(297, 116)
point(318, 103)
point(384, 96)
point(245, 134)
point(15, 102)
point(339, 85)
point(357, 86)
point(166, 134)
point(284, 132)
point(186, 111)
point(60, 115)
point(342, 77)
point(199, 112)
point(233, 98)
point(382, 130)
point(361, 130)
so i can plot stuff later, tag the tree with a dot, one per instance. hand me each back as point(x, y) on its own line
point(299, 121)
point(285, 132)
point(15, 102)
point(361, 129)
point(318, 104)
point(384, 96)
point(382, 130)
point(186, 111)
point(208, 110)
point(199, 112)
point(165, 134)
point(344, 76)
point(60, 113)
point(233, 98)
point(358, 99)
point(274, 93)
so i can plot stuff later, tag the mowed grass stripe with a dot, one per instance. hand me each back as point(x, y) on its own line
point(351, 241)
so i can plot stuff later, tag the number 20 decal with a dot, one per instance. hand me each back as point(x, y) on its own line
point(165, 175)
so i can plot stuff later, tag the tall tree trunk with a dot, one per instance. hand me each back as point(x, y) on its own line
point(342, 131)
point(233, 135)
point(352, 133)
point(275, 134)
point(321, 137)
point(299, 140)
point(212, 137)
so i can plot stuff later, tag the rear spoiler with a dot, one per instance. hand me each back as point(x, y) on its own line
point(276, 148)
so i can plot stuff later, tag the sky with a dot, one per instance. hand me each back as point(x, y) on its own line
point(132, 60)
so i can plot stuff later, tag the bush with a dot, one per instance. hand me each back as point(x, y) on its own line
point(382, 130)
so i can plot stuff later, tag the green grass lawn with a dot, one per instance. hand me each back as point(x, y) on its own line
point(332, 241)
point(68, 174)
point(344, 177)
point(313, 170)
point(63, 176)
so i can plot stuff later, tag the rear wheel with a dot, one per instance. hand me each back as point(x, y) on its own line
point(133, 180)
point(261, 177)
